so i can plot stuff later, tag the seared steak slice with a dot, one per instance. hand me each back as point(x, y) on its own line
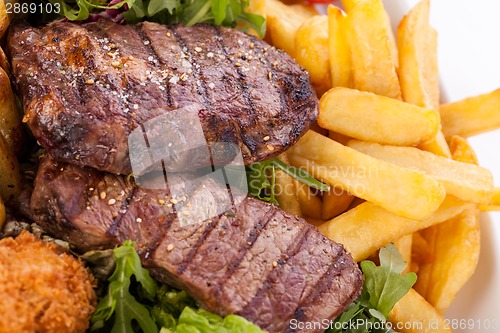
point(254, 260)
point(86, 87)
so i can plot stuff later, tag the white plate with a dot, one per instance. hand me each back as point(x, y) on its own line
point(469, 64)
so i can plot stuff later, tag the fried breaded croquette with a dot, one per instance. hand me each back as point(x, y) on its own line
point(42, 289)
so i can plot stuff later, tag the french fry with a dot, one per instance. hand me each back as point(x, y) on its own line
point(349, 4)
point(421, 254)
point(2, 214)
point(4, 18)
point(494, 204)
point(462, 151)
point(340, 138)
point(352, 112)
point(404, 245)
point(311, 51)
point(472, 115)
point(286, 191)
point(368, 227)
point(310, 205)
point(372, 49)
point(11, 127)
point(455, 249)
point(338, 46)
point(306, 10)
point(418, 72)
point(412, 314)
point(367, 177)
point(314, 221)
point(283, 21)
point(465, 181)
point(335, 202)
point(437, 145)
point(454, 245)
point(10, 174)
point(418, 69)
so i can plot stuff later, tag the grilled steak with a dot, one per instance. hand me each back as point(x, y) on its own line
point(254, 260)
point(86, 87)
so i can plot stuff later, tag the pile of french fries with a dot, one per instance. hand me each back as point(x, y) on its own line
point(398, 163)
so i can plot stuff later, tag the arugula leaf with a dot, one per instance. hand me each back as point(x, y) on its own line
point(261, 178)
point(188, 12)
point(119, 304)
point(383, 287)
point(219, 10)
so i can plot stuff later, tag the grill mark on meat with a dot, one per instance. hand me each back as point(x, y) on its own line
point(252, 238)
point(233, 236)
point(339, 272)
point(197, 245)
point(249, 145)
point(94, 120)
point(267, 293)
point(157, 60)
point(201, 89)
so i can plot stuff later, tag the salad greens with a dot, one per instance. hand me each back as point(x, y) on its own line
point(188, 12)
point(261, 178)
point(383, 287)
point(119, 305)
point(135, 303)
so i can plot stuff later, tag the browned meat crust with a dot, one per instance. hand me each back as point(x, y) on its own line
point(254, 260)
point(86, 87)
point(42, 289)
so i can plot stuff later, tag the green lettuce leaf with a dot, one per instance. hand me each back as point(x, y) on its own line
point(119, 306)
point(383, 287)
point(261, 178)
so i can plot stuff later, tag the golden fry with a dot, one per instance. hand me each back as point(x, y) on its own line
point(367, 177)
point(418, 71)
point(353, 113)
point(335, 203)
point(404, 245)
point(338, 46)
point(283, 21)
point(437, 145)
point(311, 51)
point(494, 204)
point(465, 181)
point(372, 49)
point(286, 191)
point(462, 151)
point(455, 250)
point(418, 315)
point(349, 4)
point(368, 227)
point(310, 205)
point(472, 115)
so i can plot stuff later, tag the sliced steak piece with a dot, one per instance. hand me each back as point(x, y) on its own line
point(254, 260)
point(85, 88)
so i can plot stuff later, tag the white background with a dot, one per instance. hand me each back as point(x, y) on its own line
point(469, 61)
